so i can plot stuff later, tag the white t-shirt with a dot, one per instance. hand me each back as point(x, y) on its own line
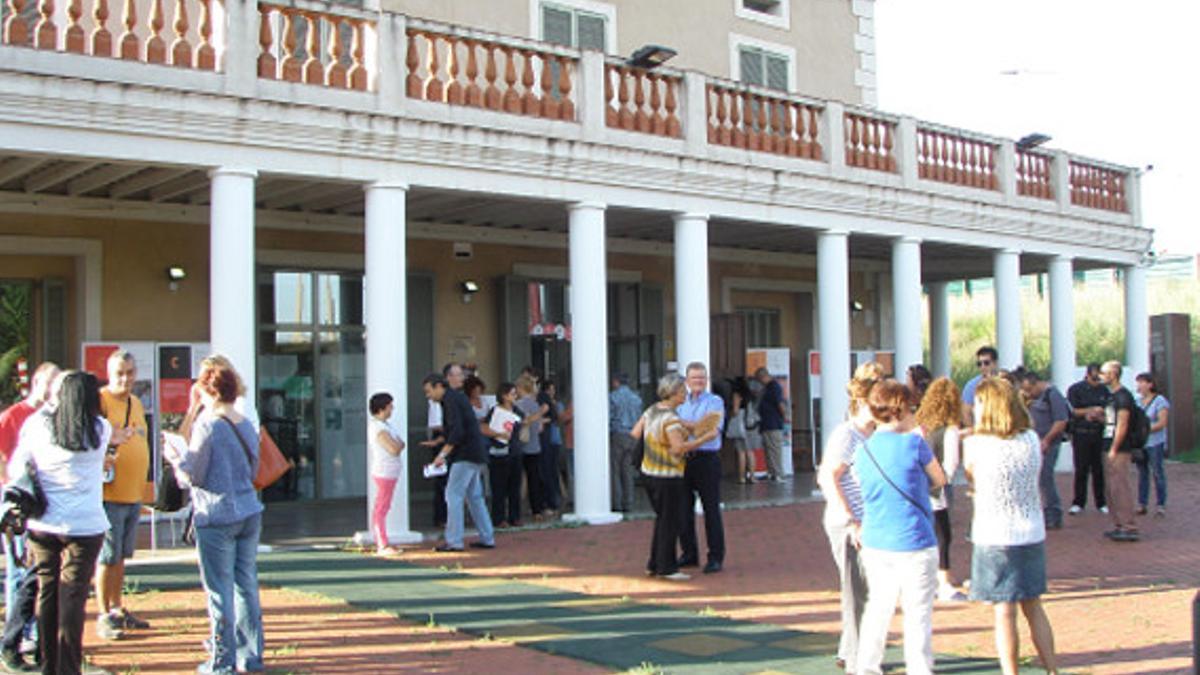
point(1008, 505)
point(383, 463)
point(73, 481)
point(503, 420)
point(435, 415)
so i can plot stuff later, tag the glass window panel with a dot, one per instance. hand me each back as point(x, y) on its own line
point(291, 297)
point(340, 299)
point(591, 31)
point(342, 392)
point(556, 26)
point(777, 72)
point(287, 407)
point(752, 66)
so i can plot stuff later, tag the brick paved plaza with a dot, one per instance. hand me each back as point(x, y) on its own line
point(573, 600)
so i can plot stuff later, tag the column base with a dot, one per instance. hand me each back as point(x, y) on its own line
point(366, 538)
point(593, 518)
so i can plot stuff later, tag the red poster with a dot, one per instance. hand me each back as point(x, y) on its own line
point(95, 360)
point(173, 395)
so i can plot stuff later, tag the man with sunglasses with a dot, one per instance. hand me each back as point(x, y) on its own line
point(1088, 398)
point(987, 361)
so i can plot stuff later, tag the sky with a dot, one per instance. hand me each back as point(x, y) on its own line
point(1115, 80)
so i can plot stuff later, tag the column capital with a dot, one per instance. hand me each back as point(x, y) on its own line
point(233, 171)
point(907, 239)
point(387, 185)
point(833, 232)
point(587, 206)
point(689, 215)
point(1062, 258)
point(1008, 251)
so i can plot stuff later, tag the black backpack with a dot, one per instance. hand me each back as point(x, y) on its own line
point(1139, 426)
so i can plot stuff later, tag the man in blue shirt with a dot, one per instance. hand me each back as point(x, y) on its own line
point(987, 360)
point(624, 409)
point(703, 473)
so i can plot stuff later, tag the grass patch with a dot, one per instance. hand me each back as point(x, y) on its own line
point(1190, 457)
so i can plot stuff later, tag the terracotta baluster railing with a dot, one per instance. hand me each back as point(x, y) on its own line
point(291, 69)
point(75, 39)
point(412, 84)
point(566, 107)
point(358, 61)
point(641, 117)
point(16, 31)
point(658, 124)
point(674, 127)
point(612, 116)
point(45, 32)
point(313, 70)
point(130, 44)
point(755, 129)
point(530, 105)
point(206, 54)
point(853, 152)
point(267, 66)
point(474, 93)
point(336, 73)
point(433, 85)
point(1097, 187)
point(156, 46)
point(102, 44)
point(181, 49)
point(492, 99)
point(512, 100)
point(788, 146)
point(549, 102)
point(454, 91)
point(625, 116)
point(725, 135)
point(737, 113)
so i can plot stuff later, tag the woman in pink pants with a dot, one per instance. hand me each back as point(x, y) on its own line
point(387, 462)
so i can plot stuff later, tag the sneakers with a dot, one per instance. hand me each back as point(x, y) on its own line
point(1160, 512)
point(13, 662)
point(1140, 510)
point(1103, 509)
point(948, 593)
point(128, 620)
point(1123, 535)
point(677, 576)
point(108, 627)
point(1075, 510)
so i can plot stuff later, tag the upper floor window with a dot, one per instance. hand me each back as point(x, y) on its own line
point(574, 24)
point(763, 68)
point(771, 12)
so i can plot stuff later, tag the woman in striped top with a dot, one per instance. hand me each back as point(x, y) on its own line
point(663, 462)
point(843, 507)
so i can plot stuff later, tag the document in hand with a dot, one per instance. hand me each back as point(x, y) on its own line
point(433, 471)
point(706, 424)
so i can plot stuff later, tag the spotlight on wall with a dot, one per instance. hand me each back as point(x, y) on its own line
point(175, 274)
point(1030, 141)
point(469, 288)
point(856, 306)
point(651, 56)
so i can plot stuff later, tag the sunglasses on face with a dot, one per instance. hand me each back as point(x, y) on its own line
point(982, 363)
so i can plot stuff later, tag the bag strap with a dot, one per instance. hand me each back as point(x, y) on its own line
point(245, 447)
point(904, 494)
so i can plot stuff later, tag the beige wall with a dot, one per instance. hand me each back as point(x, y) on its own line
point(822, 34)
point(38, 268)
point(137, 304)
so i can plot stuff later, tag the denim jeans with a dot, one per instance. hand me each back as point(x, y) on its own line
point(1153, 463)
point(465, 483)
point(229, 572)
point(1051, 504)
point(20, 593)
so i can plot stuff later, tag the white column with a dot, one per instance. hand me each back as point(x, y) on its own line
point(1062, 322)
point(939, 328)
point(1137, 321)
point(691, 289)
point(833, 313)
point(1007, 273)
point(589, 363)
point(231, 272)
point(906, 302)
point(386, 285)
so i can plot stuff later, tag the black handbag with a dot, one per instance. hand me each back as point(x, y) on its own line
point(169, 496)
point(23, 500)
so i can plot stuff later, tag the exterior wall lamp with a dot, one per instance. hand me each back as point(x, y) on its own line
point(651, 56)
point(175, 274)
point(469, 288)
point(1030, 141)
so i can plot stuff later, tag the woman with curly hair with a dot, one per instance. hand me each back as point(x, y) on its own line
point(939, 416)
point(844, 507)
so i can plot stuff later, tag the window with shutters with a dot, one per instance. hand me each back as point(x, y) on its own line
point(762, 326)
point(580, 25)
point(764, 68)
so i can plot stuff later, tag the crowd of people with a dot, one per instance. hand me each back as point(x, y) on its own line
point(889, 471)
point(87, 447)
